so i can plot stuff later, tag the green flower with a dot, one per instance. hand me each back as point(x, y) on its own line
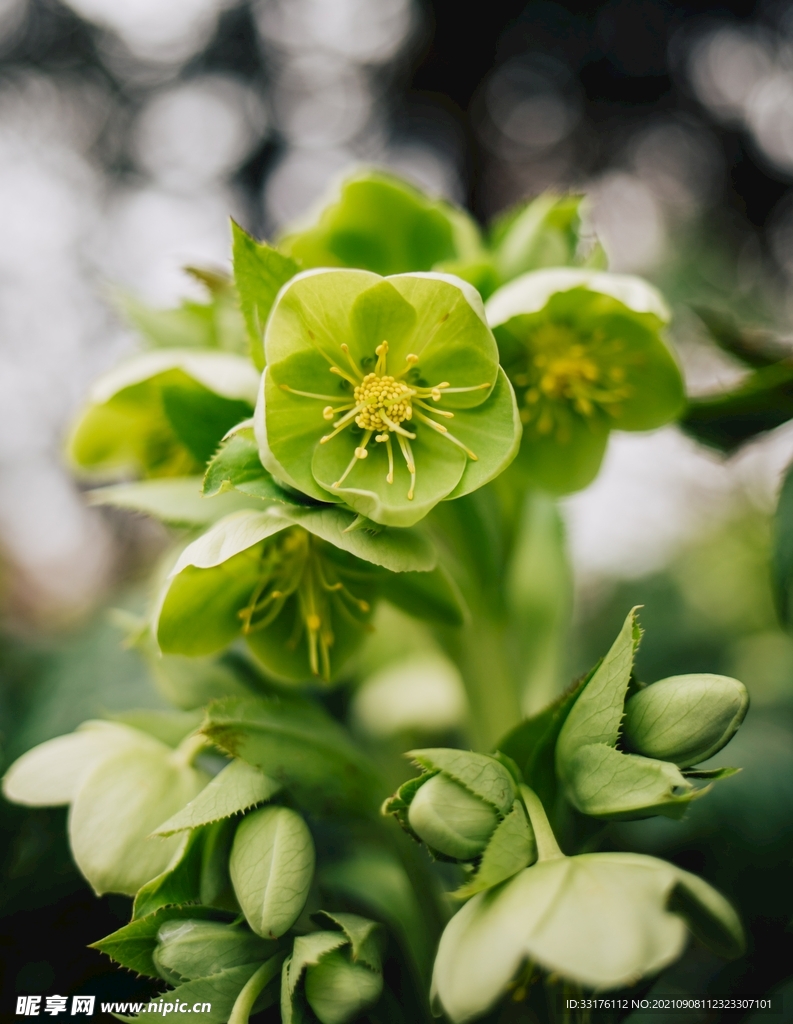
point(383, 393)
point(600, 920)
point(584, 353)
point(465, 807)
point(295, 581)
point(375, 221)
point(670, 725)
point(163, 413)
point(337, 974)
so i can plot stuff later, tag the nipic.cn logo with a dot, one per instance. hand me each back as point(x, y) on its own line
point(30, 1006)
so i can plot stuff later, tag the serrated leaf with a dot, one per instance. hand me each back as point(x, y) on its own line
point(512, 847)
point(178, 885)
point(133, 945)
point(300, 746)
point(479, 773)
point(194, 949)
point(236, 788)
point(362, 933)
point(237, 465)
point(177, 500)
point(259, 273)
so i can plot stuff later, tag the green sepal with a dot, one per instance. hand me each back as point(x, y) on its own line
point(480, 774)
point(364, 935)
point(238, 787)
point(133, 945)
point(178, 885)
point(399, 803)
point(711, 918)
point(308, 949)
point(710, 773)
point(236, 465)
point(177, 501)
point(542, 233)
point(512, 847)
point(220, 991)
point(296, 743)
point(189, 950)
point(378, 222)
point(259, 273)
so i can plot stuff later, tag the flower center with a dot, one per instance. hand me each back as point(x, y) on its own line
point(381, 403)
point(385, 401)
point(564, 373)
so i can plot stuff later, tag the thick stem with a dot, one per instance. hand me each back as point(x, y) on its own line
point(479, 649)
point(253, 988)
point(547, 847)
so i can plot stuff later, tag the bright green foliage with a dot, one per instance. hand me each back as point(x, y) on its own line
point(602, 920)
point(192, 949)
point(685, 719)
point(272, 864)
point(364, 374)
point(335, 973)
point(259, 272)
point(163, 413)
point(238, 787)
point(214, 324)
point(584, 353)
point(601, 780)
point(378, 222)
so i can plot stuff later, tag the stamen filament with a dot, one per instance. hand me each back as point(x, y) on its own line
point(341, 373)
point(410, 361)
point(438, 412)
point(397, 429)
point(444, 431)
point(457, 391)
point(355, 369)
point(360, 453)
point(408, 454)
point(382, 354)
point(390, 477)
point(341, 424)
point(309, 394)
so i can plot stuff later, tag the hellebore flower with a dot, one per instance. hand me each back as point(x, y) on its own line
point(583, 350)
point(294, 581)
point(383, 393)
point(465, 807)
point(121, 783)
point(671, 724)
point(337, 973)
point(600, 920)
point(375, 221)
point(163, 413)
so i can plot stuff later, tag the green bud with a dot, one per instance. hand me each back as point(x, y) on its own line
point(271, 866)
point(685, 719)
point(338, 990)
point(449, 818)
point(196, 949)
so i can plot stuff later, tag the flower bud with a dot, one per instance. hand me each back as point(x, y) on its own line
point(685, 719)
point(196, 949)
point(271, 866)
point(450, 819)
point(338, 990)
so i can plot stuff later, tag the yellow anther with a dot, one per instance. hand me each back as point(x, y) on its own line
point(313, 622)
point(328, 412)
point(361, 453)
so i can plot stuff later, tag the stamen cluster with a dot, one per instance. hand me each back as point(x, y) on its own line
point(384, 399)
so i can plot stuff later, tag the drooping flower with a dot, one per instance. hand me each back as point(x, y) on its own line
point(383, 393)
point(584, 353)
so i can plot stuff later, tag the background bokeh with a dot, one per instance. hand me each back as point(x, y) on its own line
point(130, 131)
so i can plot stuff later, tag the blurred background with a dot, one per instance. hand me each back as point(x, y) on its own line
point(130, 131)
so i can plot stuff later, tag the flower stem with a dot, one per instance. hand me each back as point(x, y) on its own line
point(253, 987)
point(547, 847)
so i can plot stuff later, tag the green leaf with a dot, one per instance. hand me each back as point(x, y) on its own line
point(479, 773)
point(189, 950)
point(308, 949)
point(754, 346)
point(364, 935)
point(271, 866)
point(199, 418)
point(238, 787)
point(761, 402)
point(512, 847)
point(782, 558)
point(300, 746)
point(237, 465)
point(116, 807)
point(133, 945)
point(597, 713)
point(338, 990)
point(177, 500)
point(711, 773)
point(178, 885)
point(429, 596)
point(378, 222)
point(606, 783)
point(259, 273)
